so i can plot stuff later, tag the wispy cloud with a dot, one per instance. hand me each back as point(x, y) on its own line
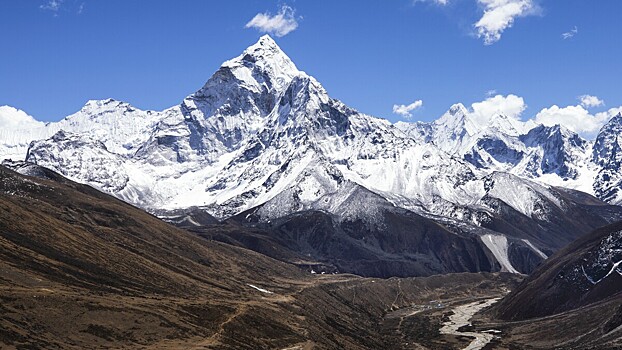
point(571, 33)
point(80, 9)
point(281, 24)
point(499, 15)
point(52, 5)
point(589, 101)
point(437, 2)
point(491, 93)
point(406, 110)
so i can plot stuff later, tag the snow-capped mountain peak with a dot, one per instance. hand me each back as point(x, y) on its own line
point(99, 106)
point(17, 129)
point(13, 118)
point(235, 102)
point(454, 119)
point(607, 146)
point(267, 54)
point(507, 125)
point(261, 66)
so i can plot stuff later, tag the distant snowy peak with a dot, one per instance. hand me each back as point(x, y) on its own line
point(608, 144)
point(460, 131)
point(455, 122)
point(418, 131)
point(554, 150)
point(96, 107)
point(15, 119)
point(558, 133)
point(499, 142)
point(459, 122)
point(607, 154)
point(17, 129)
point(508, 125)
point(119, 125)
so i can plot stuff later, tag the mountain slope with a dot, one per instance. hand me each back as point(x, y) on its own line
point(327, 223)
point(585, 272)
point(81, 269)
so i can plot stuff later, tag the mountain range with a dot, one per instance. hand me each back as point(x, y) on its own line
point(263, 145)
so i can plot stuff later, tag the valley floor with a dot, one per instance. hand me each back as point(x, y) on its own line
point(325, 312)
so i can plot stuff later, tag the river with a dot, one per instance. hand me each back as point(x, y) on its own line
point(461, 317)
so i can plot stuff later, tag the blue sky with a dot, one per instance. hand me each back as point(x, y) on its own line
point(371, 54)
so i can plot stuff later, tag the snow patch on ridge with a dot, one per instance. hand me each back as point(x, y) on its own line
point(260, 289)
point(535, 249)
point(498, 246)
point(524, 196)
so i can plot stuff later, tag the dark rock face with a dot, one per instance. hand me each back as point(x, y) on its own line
point(497, 149)
point(607, 154)
point(408, 245)
point(586, 272)
point(557, 146)
point(607, 148)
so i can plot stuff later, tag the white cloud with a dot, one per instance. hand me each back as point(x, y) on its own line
point(405, 111)
point(576, 118)
point(80, 9)
point(437, 2)
point(52, 5)
point(613, 112)
point(280, 24)
point(571, 33)
point(510, 105)
point(589, 101)
point(500, 15)
point(491, 93)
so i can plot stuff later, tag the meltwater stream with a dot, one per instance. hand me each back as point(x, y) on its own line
point(461, 317)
